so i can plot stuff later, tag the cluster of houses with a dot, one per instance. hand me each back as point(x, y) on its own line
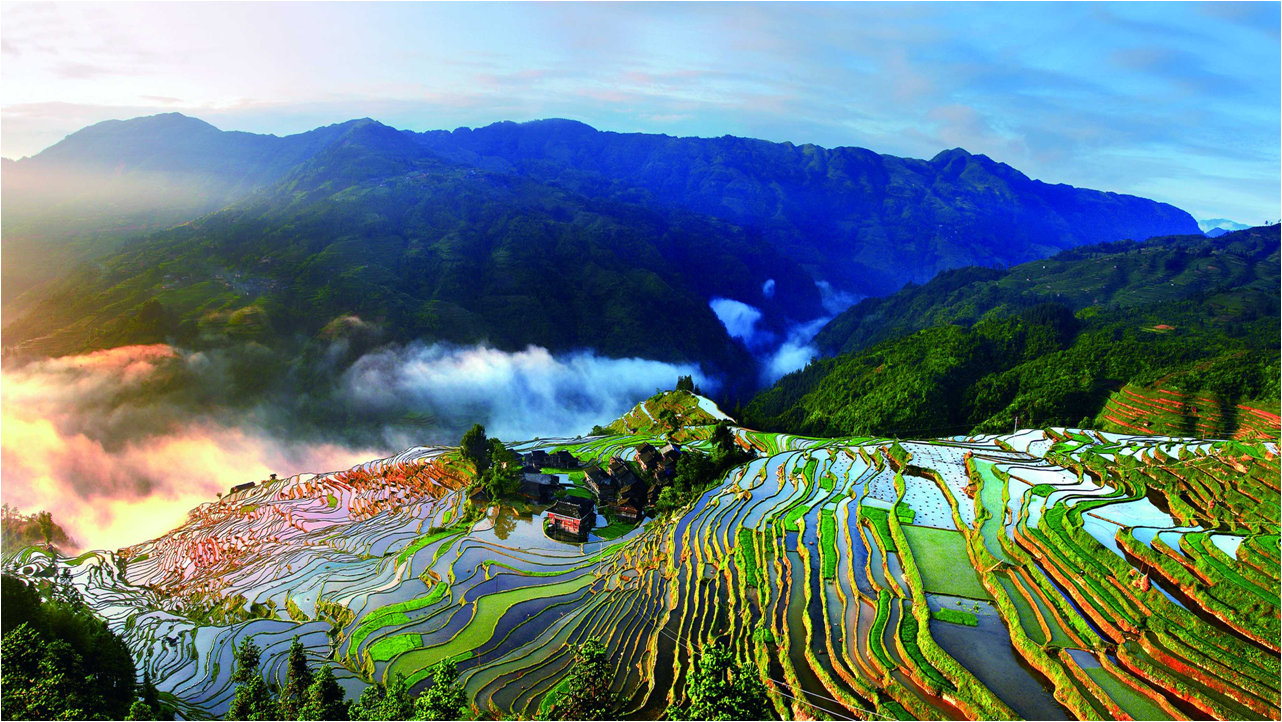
point(616, 487)
point(536, 486)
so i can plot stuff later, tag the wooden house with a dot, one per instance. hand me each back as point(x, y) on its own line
point(572, 515)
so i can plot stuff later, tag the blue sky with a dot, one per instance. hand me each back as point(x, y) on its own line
point(1177, 102)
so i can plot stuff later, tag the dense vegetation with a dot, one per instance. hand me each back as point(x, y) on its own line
point(375, 240)
point(864, 222)
point(1043, 363)
point(22, 530)
point(59, 661)
point(1124, 274)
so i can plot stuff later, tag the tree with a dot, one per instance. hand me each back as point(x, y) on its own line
point(325, 699)
point(150, 697)
point(717, 689)
point(45, 520)
point(445, 699)
point(668, 418)
point(43, 680)
point(140, 712)
point(723, 437)
point(587, 694)
point(254, 699)
point(298, 678)
point(685, 383)
point(384, 702)
point(476, 448)
point(58, 660)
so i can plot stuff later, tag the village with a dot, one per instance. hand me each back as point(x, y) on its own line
point(616, 489)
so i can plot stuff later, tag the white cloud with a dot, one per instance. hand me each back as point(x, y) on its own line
point(515, 396)
point(739, 318)
point(794, 353)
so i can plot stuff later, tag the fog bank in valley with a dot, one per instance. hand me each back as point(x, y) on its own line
point(120, 444)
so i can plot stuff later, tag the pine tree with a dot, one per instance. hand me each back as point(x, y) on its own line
point(385, 702)
point(150, 697)
point(445, 699)
point(719, 690)
point(325, 699)
point(254, 700)
point(587, 694)
point(140, 712)
point(298, 679)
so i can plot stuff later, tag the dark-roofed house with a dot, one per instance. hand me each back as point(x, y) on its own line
point(537, 458)
point(648, 457)
point(631, 499)
point(627, 512)
point(565, 460)
point(539, 488)
point(242, 487)
point(666, 466)
point(599, 483)
point(572, 515)
point(617, 466)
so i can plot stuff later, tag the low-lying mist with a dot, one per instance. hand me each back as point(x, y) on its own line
point(120, 444)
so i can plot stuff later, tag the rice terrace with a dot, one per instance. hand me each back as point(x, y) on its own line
point(1045, 574)
point(684, 361)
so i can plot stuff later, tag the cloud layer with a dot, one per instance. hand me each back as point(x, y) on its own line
point(120, 444)
point(515, 395)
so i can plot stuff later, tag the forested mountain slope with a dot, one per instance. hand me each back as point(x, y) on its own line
point(864, 222)
point(1046, 363)
point(118, 180)
point(1109, 275)
point(860, 220)
point(378, 228)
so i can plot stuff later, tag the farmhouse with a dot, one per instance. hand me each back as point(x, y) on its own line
point(598, 482)
point(537, 459)
point(572, 515)
point(539, 488)
point(565, 460)
point(631, 499)
point(648, 457)
point(242, 487)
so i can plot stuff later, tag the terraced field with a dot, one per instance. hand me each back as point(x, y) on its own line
point(1044, 574)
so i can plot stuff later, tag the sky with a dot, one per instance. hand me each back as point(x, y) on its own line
point(1176, 102)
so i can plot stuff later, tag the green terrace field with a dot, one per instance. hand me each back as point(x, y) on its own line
point(1043, 574)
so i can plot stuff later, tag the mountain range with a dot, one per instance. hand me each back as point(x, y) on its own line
point(547, 232)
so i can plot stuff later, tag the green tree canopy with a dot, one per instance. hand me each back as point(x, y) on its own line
point(298, 680)
point(587, 693)
point(325, 699)
point(719, 689)
point(445, 699)
point(476, 448)
point(254, 699)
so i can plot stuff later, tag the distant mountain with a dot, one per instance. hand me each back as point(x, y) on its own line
point(1052, 342)
point(863, 222)
point(377, 228)
point(117, 180)
point(1214, 227)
